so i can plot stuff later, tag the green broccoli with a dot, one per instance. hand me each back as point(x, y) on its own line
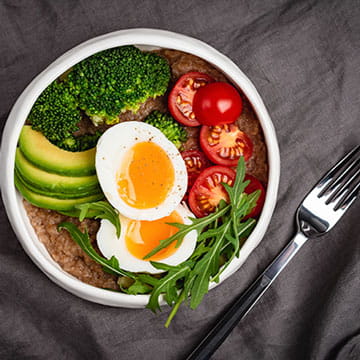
point(55, 113)
point(175, 132)
point(79, 143)
point(116, 80)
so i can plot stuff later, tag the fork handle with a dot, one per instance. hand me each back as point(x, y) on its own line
point(246, 301)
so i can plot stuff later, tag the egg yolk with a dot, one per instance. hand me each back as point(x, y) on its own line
point(143, 236)
point(146, 176)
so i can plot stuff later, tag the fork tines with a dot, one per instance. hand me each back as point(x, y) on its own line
point(342, 181)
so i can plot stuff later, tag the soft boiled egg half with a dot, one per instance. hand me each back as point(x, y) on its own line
point(139, 237)
point(141, 172)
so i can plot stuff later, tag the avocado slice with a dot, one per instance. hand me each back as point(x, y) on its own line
point(40, 179)
point(58, 195)
point(45, 155)
point(51, 203)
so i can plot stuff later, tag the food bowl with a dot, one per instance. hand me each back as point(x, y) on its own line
point(145, 39)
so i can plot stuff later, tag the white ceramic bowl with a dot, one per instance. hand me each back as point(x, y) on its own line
point(148, 38)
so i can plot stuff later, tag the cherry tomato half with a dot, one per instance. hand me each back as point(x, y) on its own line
point(208, 190)
point(254, 185)
point(224, 144)
point(180, 101)
point(217, 103)
point(196, 162)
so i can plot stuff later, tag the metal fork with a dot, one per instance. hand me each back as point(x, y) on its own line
point(320, 210)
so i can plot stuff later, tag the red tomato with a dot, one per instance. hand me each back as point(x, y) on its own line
point(208, 190)
point(180, 101)
point(217, 103)
point(224, 144)
point(254, 185)
point(196, 162)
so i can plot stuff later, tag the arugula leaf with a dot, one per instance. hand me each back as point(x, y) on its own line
point(148, 279)
point(204, 268)
point(236, 244)
point(101, 210)
point(138, 287)
point(175, 308)
point(211, 233)
point(83, 240)
point(166, 284)
point(200, 250)
point(113, 262)
point(247, 204)
point(236, 191)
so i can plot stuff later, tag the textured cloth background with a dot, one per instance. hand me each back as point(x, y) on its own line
point(304, 59)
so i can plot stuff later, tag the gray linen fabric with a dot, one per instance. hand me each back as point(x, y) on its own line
point(304, 58)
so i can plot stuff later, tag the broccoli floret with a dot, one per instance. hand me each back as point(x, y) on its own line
point(168, 126)
point(79, 143)
point(55, 113)
point(116, 80)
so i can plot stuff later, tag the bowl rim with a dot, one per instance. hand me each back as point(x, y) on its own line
point(137, 36)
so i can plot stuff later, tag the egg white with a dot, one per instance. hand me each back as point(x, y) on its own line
point(111, 149)
point(110, 245)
